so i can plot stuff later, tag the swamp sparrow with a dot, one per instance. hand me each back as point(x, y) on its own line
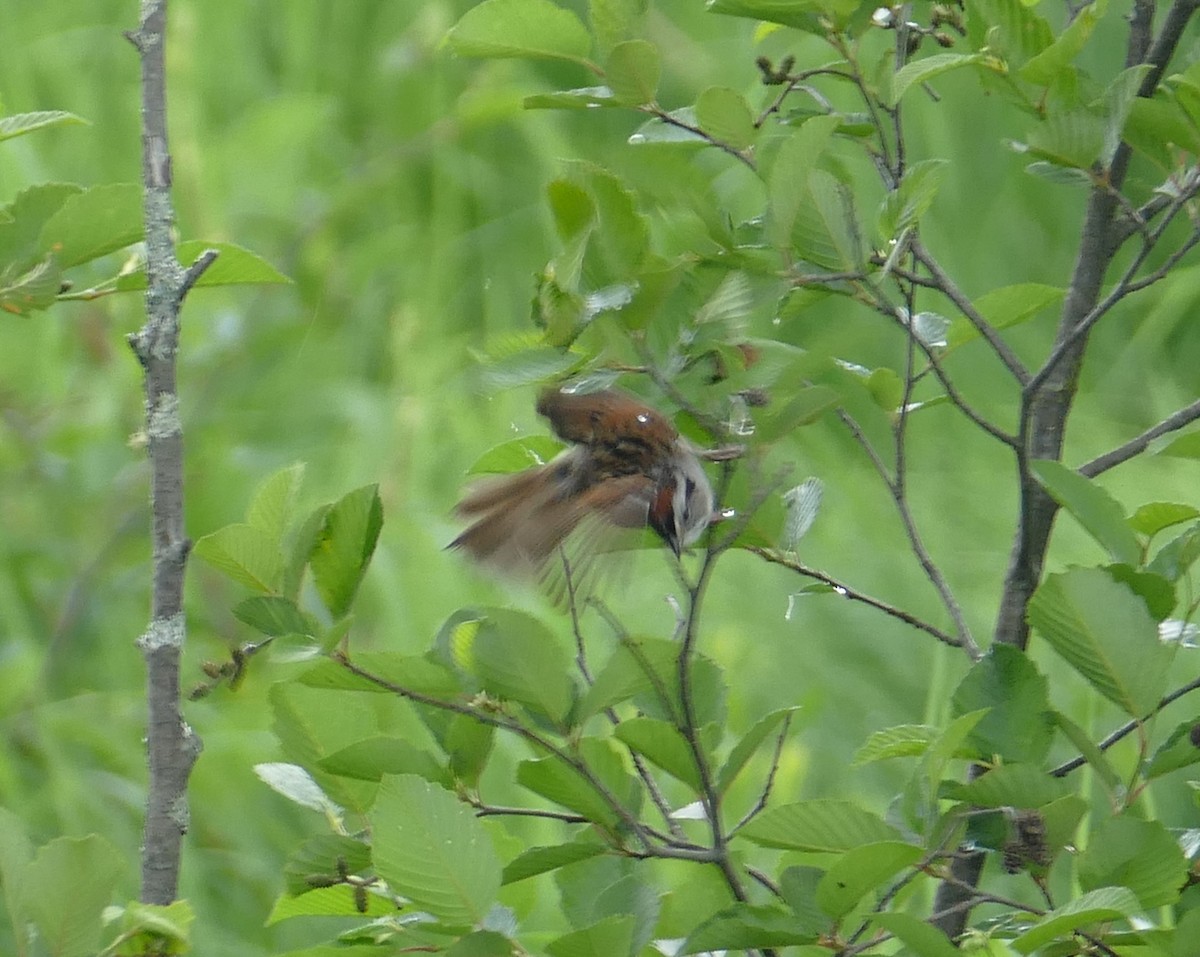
point(627, 468)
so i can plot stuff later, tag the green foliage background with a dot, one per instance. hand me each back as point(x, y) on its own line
point(403, 191)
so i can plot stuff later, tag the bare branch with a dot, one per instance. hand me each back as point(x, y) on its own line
point(776, 557)
point(950, 290)
point(1135, 446)
point(931, 570)
point(505, 723)
point(1127, 728)
point(746, 157)
point(765, 794)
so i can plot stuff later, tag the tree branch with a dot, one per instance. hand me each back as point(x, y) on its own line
point(1126, 729)
point(1134, 447)
point(776, 557)
point(172, 747)
point(949, 288)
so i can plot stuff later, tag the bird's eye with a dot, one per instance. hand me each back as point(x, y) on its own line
point(643, 418)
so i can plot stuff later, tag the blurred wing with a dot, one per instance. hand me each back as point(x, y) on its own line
point(531, 525)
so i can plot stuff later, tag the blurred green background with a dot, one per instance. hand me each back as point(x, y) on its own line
point(403, 190)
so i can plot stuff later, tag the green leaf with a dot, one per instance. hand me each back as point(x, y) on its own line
point(1019, 723)
point(1153, 517)
point(1105, 633)
point(564, 784)
point(22, 222)
point(1095, 757)
point(919, 937)
point(798, 888)
point(886, 388)
point(778, 420)
point(1139, 855)
point(244, 553)
point(1005, 307)
point(1106, 903)
point(16, 851)
point(1047, 67)
point(516, 657)
point(610, 937)
point(581, 98)
point(903, 207)
point(1094, 509)
point(412, 672)
point(681, 132)
point(614, 20)
point(820, 825)
point(323, 856)
point(1152, 588)
point(787, 181)
point(573, 208)
point(234, 266)
point(372, 758)
point(468, 744)
point(64, 890)
point(1180, 750)
point(343, 549)
point(744, 750)
point(93, 223)
point(480, 943)
point(338, 901)
point(725, 116)
point(275, 616)
point(297, 785)
point(516, 455)
point(1073, 138)
point(1014, 30)
point(859, 871)
point(925, 69)
point(901, 741)
point(634, 668)
point(296, 556)
point(1155, 125)
point(526, 367)
point(1186, 446)
point(539, 860)
point(275, 500)
point(530, 29)
point(803, 15)
point(660, 743)
point(21, 123)
point(167, 927)
point(1009, 785)
point(1174, 559)
point(1116, 103)
point(33, 290)
point(433, 850)
point(745, 927)
point(632, 70)
point(834, 205)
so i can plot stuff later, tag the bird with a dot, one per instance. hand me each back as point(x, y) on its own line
point(627, 467)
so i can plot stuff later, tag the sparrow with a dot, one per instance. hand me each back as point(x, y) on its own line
point(627, 468)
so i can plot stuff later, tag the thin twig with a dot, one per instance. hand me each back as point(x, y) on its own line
point(950, 289)
point(777, 557)
point(743, 156)
point(932, 572)
point(504, 723)
point(581, 662)
point(765, 794)
point(1126, 729)
point(1135, 446)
